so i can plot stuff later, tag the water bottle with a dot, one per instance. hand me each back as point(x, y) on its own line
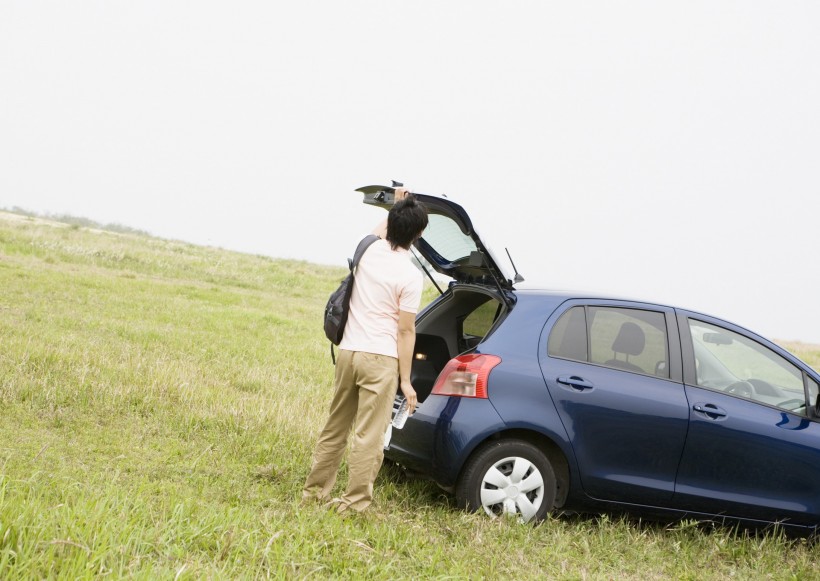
point(401, 415)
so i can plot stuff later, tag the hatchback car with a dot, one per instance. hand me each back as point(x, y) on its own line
point(533, 401)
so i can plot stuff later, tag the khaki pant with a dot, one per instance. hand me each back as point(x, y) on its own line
point(365, 388)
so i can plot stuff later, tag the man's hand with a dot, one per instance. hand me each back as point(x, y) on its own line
point(410, 396)
point(400, 194)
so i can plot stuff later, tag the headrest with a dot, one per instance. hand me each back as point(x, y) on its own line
point(630, 340)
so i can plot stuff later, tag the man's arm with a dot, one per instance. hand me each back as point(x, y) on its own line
point(406, 344)
point(381, 230)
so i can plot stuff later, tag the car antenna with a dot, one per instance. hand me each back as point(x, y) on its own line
point(518, 277)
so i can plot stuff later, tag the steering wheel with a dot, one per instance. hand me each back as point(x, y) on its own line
point(763, 387)
point(741, 388)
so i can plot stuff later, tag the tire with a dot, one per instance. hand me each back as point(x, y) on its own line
point(508, 477)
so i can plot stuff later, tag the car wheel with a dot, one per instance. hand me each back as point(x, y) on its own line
point(509, 477)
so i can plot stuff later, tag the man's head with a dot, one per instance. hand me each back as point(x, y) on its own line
point(406, 221)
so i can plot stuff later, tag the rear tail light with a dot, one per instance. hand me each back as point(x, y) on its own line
point(466, 376)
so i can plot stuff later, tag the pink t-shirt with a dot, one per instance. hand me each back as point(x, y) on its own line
point(386, 282)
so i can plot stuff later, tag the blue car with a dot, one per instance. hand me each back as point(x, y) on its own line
point(534, 401)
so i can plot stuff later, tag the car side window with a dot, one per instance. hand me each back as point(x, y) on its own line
point(626, 339)
point(629, 339)
point(480, 321)
point(735, 364)
point(568, 338)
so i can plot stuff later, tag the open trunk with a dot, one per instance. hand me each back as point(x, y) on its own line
point(475, 302)
point(454, 324)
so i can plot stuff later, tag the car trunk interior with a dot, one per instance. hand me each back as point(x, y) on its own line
point(459, 321)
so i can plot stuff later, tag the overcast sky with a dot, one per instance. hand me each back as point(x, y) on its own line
point(664, 150)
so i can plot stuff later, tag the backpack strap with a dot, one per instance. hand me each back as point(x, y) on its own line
point(366, 242)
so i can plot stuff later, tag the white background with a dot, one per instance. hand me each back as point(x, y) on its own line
point(664, 150)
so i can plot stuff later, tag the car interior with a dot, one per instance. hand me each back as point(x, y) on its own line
point(458, 323)
point(713, 374)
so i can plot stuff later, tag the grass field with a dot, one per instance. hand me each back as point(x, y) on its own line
point(160, 402)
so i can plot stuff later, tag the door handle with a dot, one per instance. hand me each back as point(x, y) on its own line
point(710, 410)
point(575, 382)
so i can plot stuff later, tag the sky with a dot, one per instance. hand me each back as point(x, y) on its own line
point(660, 150)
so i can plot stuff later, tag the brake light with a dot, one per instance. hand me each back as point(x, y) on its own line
point(466, 376)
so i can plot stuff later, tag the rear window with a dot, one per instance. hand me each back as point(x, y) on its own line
point(447, 238)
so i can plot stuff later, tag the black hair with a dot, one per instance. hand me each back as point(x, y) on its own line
point(406, 221)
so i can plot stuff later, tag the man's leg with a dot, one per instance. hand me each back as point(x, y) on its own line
point(377, 380)
point(333, 440)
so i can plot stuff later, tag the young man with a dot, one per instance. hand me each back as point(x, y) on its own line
point(376, 348)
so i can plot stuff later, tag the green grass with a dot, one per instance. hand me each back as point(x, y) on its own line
point(159, 403)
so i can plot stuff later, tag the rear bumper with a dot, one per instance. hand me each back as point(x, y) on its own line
point(437, 440)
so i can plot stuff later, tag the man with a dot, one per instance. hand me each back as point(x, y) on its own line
point(377, 346)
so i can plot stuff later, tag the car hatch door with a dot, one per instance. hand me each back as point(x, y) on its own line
point(450, 242)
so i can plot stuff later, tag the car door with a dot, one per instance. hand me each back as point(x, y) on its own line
point(753, 448)
point(614, 373)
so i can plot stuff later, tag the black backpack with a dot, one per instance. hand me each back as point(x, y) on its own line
point(338, 305)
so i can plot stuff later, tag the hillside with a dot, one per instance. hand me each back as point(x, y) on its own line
point(160, 403)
